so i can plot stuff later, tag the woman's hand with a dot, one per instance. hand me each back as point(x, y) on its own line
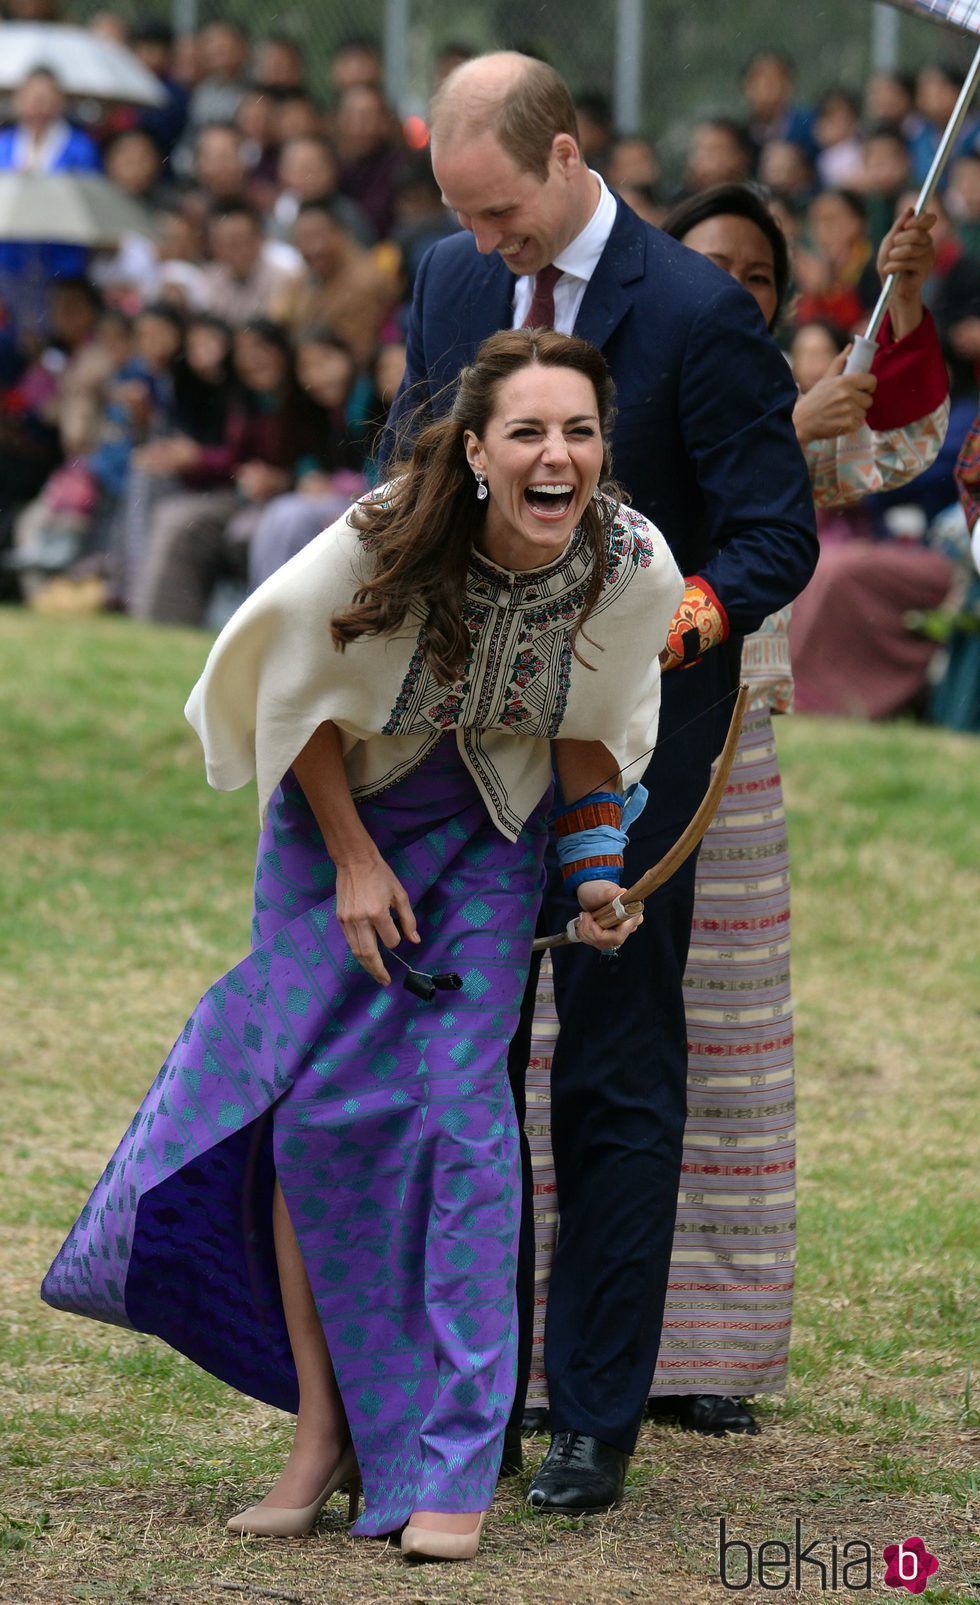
point(595, 895)
point(836, 405)
point(907, 250)
point(367, 891)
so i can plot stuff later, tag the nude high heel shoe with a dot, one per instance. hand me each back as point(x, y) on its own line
point(281, 1521)
point(430, 1544)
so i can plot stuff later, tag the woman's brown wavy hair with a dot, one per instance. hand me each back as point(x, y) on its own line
point(428, 522)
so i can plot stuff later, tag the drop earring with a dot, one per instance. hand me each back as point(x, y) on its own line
point(481, 487)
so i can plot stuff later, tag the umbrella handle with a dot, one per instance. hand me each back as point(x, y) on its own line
point(862, 352)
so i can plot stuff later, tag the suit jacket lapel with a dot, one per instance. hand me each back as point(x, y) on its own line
point(608, 295)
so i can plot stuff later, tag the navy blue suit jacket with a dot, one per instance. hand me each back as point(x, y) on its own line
point(703, 440)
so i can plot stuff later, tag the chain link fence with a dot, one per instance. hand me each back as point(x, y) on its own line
point(663, 63)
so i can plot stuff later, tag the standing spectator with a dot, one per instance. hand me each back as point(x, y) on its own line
point(420, 217)
point(786, 170)
point(595, 127)
point(633, 163)
point(223, 48)
point(370, 152)
point(889, 97)
point(342, 288)
point(257, 120)
point(963, 202)
point(298, 116)
point(153, 42)
point(836, 129)
point(220, 172)
point(40, 140)
point(720, 152)
point(132, 160)
point(241, 282)
point(278, 67)
point(937, 88)
point(356, 62)
point(307, 171)
point(768, 82)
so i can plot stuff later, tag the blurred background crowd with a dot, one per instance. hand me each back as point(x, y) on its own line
point(193, 376)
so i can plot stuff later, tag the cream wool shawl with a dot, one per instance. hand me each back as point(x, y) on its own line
point(274, 674)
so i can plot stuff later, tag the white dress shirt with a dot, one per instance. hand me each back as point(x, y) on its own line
point(578, 262)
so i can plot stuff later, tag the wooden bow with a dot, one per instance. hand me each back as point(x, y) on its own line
point(633, 898)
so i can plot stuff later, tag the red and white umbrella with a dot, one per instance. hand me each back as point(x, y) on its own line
point(964, 15)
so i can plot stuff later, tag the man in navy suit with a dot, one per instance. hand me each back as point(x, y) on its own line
point(704, 444)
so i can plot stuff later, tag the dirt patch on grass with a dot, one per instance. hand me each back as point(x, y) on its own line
point(166, 1542)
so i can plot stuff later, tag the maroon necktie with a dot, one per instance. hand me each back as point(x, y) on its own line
point(541, 312)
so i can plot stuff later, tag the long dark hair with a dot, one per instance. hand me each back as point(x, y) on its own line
point(738, 200)
point(426, 525)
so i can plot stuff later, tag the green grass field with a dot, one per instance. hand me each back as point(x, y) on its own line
point(126, 890)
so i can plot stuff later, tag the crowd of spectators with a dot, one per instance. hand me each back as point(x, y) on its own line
point(197, 402)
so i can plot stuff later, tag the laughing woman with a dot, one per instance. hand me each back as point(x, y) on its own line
point(319, 1199)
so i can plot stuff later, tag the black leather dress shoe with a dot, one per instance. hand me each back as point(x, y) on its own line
point(512, 1463)
point(703, 1412)
point(534, 1423)
point(579, 1476)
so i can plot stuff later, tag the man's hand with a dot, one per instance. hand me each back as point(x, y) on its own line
point(836, 405)
point(907, 250)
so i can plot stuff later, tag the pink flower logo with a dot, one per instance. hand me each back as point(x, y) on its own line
point(909, 1565)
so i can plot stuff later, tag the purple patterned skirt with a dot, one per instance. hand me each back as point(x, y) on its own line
point(390, 1126)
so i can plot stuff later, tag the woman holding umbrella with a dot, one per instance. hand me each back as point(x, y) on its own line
point(319, 1199)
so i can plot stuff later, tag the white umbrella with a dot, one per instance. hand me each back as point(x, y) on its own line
point(83, 62)
point(68, 209)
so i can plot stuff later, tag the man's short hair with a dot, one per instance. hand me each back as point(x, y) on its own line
point(525, 119)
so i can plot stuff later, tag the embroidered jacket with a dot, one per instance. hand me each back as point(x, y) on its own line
point(274, 674)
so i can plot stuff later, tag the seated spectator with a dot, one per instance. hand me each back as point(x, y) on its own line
point(200, 537)
point(240, 282)
point(328, 479)
point(836, 275)
point(356, 61)
point(851, 651)
point(836, 129)
point(223, 54)
point(812, 349)
point(278, 67)
point(342, 287)
point(182, 459)
point(370, 154)
point(768, 83)
point(73, 515)
point(787, 171)
point(40, 140)
point(307, 171)
point(886, 168)
point(720, 152)
point(963, 202)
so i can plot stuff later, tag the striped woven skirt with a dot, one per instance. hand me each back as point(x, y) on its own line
point(729, 1297)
